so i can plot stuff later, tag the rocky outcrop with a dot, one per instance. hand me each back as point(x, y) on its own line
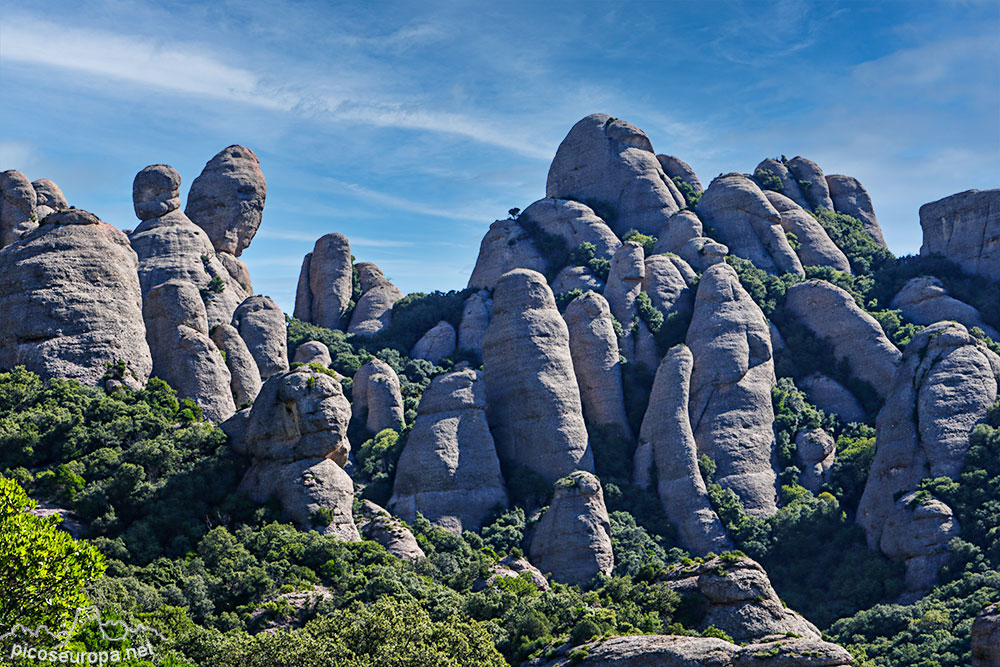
point(532, 393)
point(730, 401)
point(326, 282)
point(572, 540)
point(748, 224)
point(628, 268)
point(942, 389)
point(449, 471)
point(817, 193)
point(815, 451)
point(183, 354)
point(376, 397)
point(816, 248)
point(666, 286)
point(439, 342)
point(681, 227)
point(313, 352)
point(262, 326)
point(666, 431)
point(244, 375)
point(48, 198)
point(576, 277)
point(830, 396)
point(965, 228)
point(850, 198)
point(985, 638)
point(476, 313)
point(18, 216)
point(854, 335)
point(72, 303)
point(610, 162)
point(703, 252)
point(227, 199)
point(674, 167)
point(377, 524)
point(373, 312)
point(505, 247)
point(917, 532)
point(924, 300)
point(574, 223)
point(593, 346)
point(734, 595)
point(510, 567)
point(789, 186)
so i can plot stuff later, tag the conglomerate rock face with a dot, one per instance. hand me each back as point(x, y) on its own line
point(18, 201)
point(326, 281)
point(227, 199)
point(965, 228)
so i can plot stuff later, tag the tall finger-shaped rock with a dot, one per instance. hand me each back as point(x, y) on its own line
point(49, 198)
point(262, 326)
point(666, 430)
point(665, 284)
point(18, 200)
point(730, 402)
point(850, 198)
point(227, 199)
point(71, 302)
point(376, 396)
point(476, 314)
point(817, 192)
point(373, 312)
point(593, 345)
point(534, 401)
point(816, 248)
point(449, 470)
point(610, 162)
point(245, 377)
point(326, 283)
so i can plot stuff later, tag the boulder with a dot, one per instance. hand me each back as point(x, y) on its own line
point(326, 283)
point(373, 312)
point(576, 277)
point(681, 227)
point(534, 410)
point(448, 470)
point(917, 532)
point(748, 224)
point(245, 379)
point(850, 198)
point(815, 452)
point(505, 247)
point(666, 431)
point(666, 286)
point(156, 191)
point(734, 595)
point(574, 223)
point(262, 326)
point(854, 335)
point(817, 193)
point(986, 638)
point(376, 397)
point(674, 167)
point(72, 303)
point(227, 199)
point(593, 346)
point(730, 401)
point(313, 352)
point(476, 313)
point(830, 396)
point(572, 540)
point(183, 354)
point(815, 246)
point(942, 389)
point(789, 186)
point(924, 300)
point(18, 216)
point(377, 524)
point(436, 344)
point(48, 198)
point(510, 567)
point(965, 228)
point(611, 163)
point(703, 252)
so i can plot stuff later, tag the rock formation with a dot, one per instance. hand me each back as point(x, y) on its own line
point(730, 401)
point(917, 532)
point(326, 282)
point(702, 252)
point(506, 246)
point(534, 401)
point(439, 342)
point(449, 470)
point(965, 228)
point(227, 199)
point(817, 193)
point(815, 451)
point(71, 302)
point(244, 375)
point(924, 300)
point(313, 352)
point(816, 248)
point(510, 567)
point(593, 346)
point(830, 396)
point(183, 354)
point(572, 540)
point(985, 638)
point(377, 524)
point(850, 198)
point(373, 312)
point(574, 223)
point(833, 315)
point(666, 286)
point(262, 326)
point(674, 167)
point(666, 430)
point(681, 227)
point(576, 277)
point(628, 268)
point(48, 198)
point(376, 398)
point(748, 224)
point(17, 207)
point(789, 186)
point(609, 162)
point(476, 313)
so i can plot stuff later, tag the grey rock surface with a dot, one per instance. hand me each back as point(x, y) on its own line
point(830, 396)
point(789, 186)
point(156, 191)
point(326, 283)
point(574, 223)
point(817, 193)
point(576, 277)
point(674, 167)
point(681, 227)
point(18, 200)
point(816, 248)
point(313, 352)
point(449, 470)
point(376, 397)
point(965, 228)
point(924, 300)
point(985, 638)
point(703, 252)
point(506, 246)
point(261, 324)
point(48, 198)
point(666, 285)
point(375, 523)
point(917, 531)
point(628, 268)
point(815, 451)
point(227, 199)
point(245, 379)
point(850, 198)
point(476, 313)
point(438, 343)
point(373, 312)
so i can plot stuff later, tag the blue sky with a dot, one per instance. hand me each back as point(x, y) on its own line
point(410, 126)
